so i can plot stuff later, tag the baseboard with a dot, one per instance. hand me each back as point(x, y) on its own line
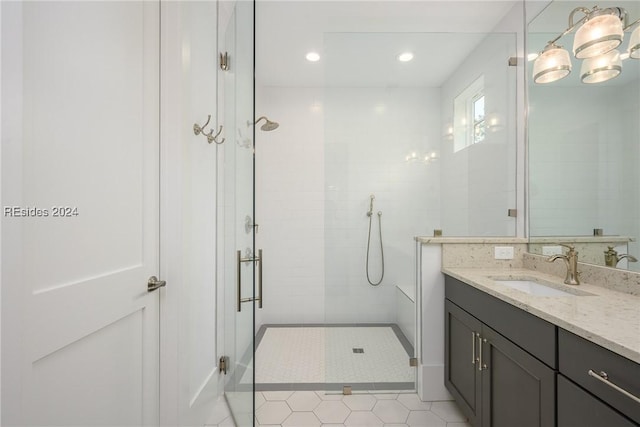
point(431, 383)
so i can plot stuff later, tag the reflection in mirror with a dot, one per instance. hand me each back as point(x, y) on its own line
point(584, 136)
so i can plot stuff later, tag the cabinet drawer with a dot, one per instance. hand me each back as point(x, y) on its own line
point(577, 356)
point(577, 408)
point(531, 333)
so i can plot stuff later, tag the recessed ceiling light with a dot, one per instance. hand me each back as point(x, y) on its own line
point(405, 57)
point(313, 57)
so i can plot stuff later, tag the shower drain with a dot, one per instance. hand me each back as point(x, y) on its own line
point(358, 350)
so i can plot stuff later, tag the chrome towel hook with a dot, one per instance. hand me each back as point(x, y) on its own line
point(214, 138)
point(197, 130)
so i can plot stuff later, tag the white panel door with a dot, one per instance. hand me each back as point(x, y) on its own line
point(80, 131)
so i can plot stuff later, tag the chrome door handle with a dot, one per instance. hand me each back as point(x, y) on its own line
point(259, 275)
point(239, 261)
point(154, 284)
point(481, 366)
point(473, 348)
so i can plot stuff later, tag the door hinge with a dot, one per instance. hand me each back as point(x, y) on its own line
point(413, 362)
point(222, 364)
point(512, 213)
point(224, 61)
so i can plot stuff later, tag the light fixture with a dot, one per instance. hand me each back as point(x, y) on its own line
point(313, 57)
point(601, 32)
point(405, 57)
point(634, 44)
point(601, 68)
point(553, 64)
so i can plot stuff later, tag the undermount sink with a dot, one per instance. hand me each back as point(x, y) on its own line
point(534, 287)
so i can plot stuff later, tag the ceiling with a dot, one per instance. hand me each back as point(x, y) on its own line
point(359, 40)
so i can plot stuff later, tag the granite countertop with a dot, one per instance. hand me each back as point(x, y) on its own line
point(468, 240)
point(607, 317)
point(580, 239)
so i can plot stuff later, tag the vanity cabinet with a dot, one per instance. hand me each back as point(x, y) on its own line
point(608, 403)
point(496, 381)
point(507, 367)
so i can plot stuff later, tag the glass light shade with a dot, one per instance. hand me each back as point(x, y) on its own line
point(598, 35)
point(601, 68)
point(553, 64)
point(634, 44)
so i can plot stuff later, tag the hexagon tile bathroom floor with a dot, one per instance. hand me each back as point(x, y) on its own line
point(311, 408)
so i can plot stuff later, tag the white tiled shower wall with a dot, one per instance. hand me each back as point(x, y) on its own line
point(314, 178)
point(290, 205)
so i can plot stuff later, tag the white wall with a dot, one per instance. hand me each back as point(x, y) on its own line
point(198, 353)
point(478, 182)
point(188, 214)
point(315, 174)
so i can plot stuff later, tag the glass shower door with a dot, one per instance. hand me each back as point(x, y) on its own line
point(241, 262)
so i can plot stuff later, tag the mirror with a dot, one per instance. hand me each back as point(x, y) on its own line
point(584, 149)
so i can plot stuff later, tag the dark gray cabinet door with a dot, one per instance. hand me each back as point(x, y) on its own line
point(462, 377)
point(577, 408)
point(517, 389)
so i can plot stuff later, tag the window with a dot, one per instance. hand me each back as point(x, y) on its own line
point(469, 116)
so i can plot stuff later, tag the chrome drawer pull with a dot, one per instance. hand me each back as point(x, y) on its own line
point(604, 378)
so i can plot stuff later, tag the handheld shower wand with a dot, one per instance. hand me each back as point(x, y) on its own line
point(370, 215)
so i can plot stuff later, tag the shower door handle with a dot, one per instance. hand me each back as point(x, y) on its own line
point(240, 260)
point(259, 277)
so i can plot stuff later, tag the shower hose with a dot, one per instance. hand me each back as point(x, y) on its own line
point(370, 214)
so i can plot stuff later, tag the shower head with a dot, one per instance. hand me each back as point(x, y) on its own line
point(268, 125)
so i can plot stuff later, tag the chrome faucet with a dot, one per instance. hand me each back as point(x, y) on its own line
point(611, 257)
point(571, 261)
